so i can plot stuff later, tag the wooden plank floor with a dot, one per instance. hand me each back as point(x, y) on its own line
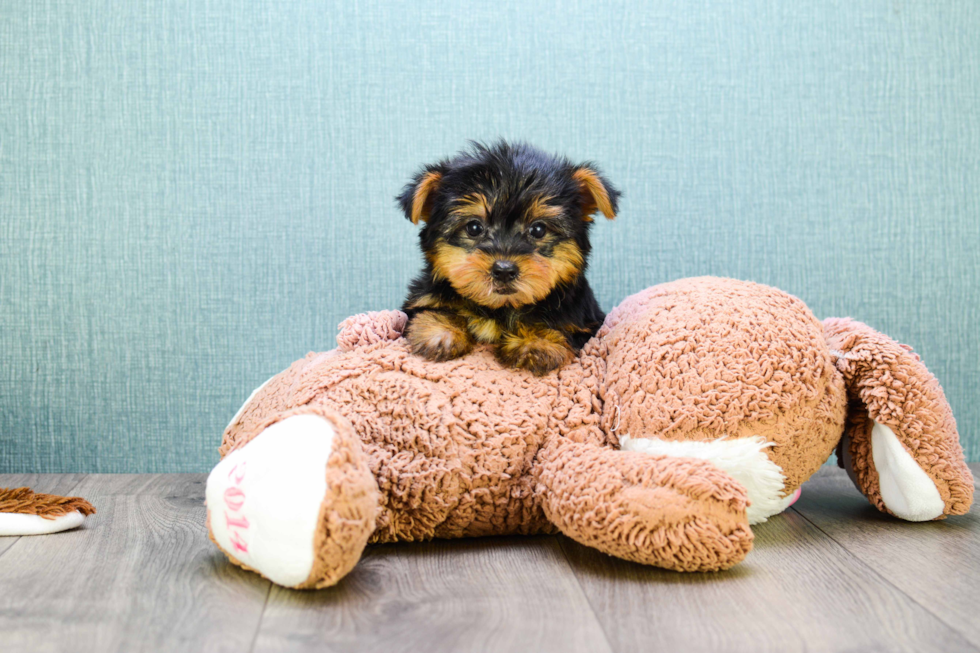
point(830, 574)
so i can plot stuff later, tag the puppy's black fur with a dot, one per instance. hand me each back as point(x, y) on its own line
point(506, 244)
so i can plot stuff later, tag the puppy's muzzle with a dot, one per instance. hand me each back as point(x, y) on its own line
point(504, 271)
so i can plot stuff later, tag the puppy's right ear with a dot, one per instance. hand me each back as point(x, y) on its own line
point(596, 193)
point(417, 197)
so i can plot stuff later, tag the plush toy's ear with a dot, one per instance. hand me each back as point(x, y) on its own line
point(596, 193)
point(900, 445)
point(417, 196)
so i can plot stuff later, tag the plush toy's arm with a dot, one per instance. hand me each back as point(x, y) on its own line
point(677, 513)
point(370, 328)
point(900, 446)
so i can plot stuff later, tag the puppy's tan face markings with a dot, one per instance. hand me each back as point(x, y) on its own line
point(542, 208)
point(467, 270)
point(470, 273)
point(528, 233)
point(473, 205)
point(481, 205)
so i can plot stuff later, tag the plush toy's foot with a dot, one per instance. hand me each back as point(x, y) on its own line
point(24, 512)
point(793, 498)
point(744, 459)
point(297, 503)
point(901, 447)
point(678, 513)
point(904, 489)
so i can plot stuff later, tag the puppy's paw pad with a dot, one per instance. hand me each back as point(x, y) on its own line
point(438, 337)
point(539, 354)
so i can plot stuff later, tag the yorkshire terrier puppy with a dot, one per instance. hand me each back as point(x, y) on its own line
point(506, 240)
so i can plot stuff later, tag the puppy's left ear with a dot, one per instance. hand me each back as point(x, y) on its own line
point(417, 197)
point(595, 192)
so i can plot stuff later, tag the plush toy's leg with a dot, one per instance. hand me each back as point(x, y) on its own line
point(297, 503)
point(677, 513)
point(744, 459)
point(900, 446)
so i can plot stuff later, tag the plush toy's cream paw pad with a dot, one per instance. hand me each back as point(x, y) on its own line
point(744, 459)
point(17, 524)
point(264, 499)
point(906, 489)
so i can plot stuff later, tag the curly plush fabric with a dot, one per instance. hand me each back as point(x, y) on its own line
point(888, 384)
point(467, 448)
point(679, 514)
point(701, 359)
point(447, 464)
point(369, 328)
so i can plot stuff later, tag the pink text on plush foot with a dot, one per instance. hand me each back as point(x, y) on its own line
point(234, 500)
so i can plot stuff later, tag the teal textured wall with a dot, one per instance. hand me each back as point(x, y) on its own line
point(193, 194)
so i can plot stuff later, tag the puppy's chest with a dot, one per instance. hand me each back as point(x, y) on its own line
point(490, 328)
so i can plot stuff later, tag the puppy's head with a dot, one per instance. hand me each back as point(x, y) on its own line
point(507, 224)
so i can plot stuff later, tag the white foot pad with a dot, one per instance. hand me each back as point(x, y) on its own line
point(265, 498)
point(18, 524)
point(744, 459)
point(906, 489)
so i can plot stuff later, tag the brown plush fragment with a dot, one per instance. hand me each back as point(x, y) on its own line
point(25, 501)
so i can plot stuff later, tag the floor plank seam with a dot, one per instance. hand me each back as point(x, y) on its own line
point(887, 581)
point(12, 545)
point(561, 547)
point(258, 626)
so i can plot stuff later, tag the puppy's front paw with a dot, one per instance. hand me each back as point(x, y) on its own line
point(438, 336)
point(538, 350)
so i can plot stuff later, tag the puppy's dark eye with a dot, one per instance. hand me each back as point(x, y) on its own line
point(537, 230)
point(474, 228)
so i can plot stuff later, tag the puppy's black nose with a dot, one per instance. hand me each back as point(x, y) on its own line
point(504, 271)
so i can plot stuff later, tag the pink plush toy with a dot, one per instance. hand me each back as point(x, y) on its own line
point(698, 409)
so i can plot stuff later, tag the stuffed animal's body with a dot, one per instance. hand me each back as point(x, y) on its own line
point(698, 409)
